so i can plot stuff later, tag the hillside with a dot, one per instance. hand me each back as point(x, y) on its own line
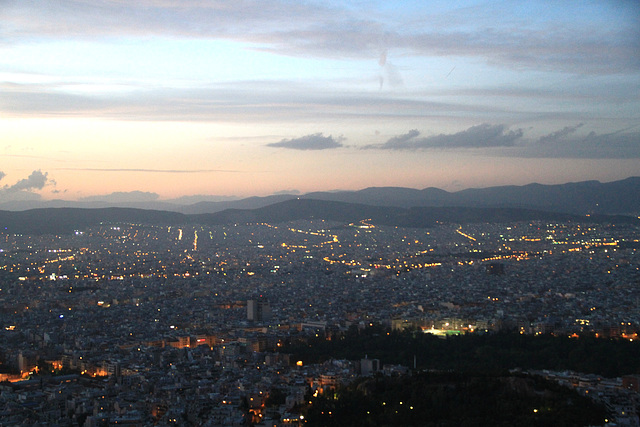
point(66, 220)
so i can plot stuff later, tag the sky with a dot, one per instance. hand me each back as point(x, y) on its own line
point(163, 99)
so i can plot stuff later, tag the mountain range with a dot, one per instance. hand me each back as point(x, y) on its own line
point(617, 202)
point(618, 197)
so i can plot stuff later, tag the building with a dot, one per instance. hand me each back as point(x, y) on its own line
point(258, 310)
point(369, 366)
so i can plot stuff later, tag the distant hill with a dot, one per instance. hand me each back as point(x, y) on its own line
point(618, 197)
point(248, 203)
point(394, 206)
point(587, 197)
point(66, 220)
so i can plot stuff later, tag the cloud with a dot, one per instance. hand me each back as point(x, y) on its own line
point(247, 20)
point(389, 72)
point(614, 145)
point(2, 175)
point(123, 197)
point(316, 141)
point(36, 181)
point(530, 49)
point(237, 101)
point(24, 188)
point(559, 134)
point(567, 143)
point(147, 170)
point(403, 140)
point(568, 40)
point(480, 136)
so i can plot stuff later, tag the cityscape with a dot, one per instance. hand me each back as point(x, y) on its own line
point(150, 324)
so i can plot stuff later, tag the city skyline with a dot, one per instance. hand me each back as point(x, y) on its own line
point(163, 99)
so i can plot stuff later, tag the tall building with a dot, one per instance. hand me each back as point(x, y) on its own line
point(258, 310)
point(369, 366)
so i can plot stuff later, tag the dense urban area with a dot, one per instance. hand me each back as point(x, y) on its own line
point(198, 325)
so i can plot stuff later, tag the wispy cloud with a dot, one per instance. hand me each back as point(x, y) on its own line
point(405, 140)
point(480, 136)
point(565, 143)
point(316, 141)
point(559, 134)
point(567, 43)
point(149, 170)
point(238, 102)
point(622, 144)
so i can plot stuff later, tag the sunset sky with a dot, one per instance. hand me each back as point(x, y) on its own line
point(175, 98)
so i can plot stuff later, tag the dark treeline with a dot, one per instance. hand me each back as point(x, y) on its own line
point(453, 399)
point(490, 353)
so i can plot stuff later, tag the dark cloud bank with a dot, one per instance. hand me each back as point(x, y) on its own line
point(316, 141)
point(479, 136)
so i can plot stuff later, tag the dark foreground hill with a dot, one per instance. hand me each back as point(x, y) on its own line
point(67, 220)
point(418, 217)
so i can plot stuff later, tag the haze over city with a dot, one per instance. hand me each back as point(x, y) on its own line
point(161, 99)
